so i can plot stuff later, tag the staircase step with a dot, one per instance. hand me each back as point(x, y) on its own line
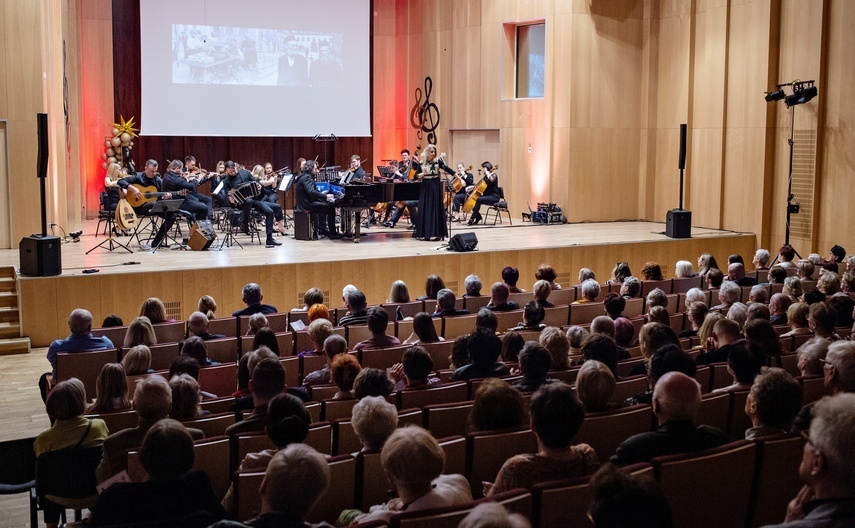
point(8, 284)
point(7, 272)
point(9, 299)
point(20, 345)
point(10, 330)
point(9, 315)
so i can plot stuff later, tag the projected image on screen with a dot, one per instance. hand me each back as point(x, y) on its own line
point(253, 56)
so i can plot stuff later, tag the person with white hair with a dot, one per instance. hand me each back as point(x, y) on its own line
point(728, 294)
point(493, 515)
point(676, 400)
point(739, 313)
point(472, 285)
point(758, 294)
point(695, 295)
point(683, 269)
point(590, 291)
point(838, 369)
point(445, 304)
point(374, 420)
point(811, 356)
point(252, 297)
point(827, 468)
point(761, 259)
point(257, 321)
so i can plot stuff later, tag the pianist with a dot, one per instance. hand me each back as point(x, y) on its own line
point(309, 198)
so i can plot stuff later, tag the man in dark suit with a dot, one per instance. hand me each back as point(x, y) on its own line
point(736, 273)
point(252, 297)
point(445, 304)
point(266, 381)
point(499, 299)
point(150, 178)
point(676, 400)
point(778, 306)
point(174, 181)
point(309, 198)
point(293, 66)
point(271, 211)
point(152, 401)
point(197, 324)
point(725, 333)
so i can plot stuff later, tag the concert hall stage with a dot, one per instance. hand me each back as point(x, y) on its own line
point(179, 278)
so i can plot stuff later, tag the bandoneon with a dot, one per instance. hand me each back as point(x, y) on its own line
point(244, 192)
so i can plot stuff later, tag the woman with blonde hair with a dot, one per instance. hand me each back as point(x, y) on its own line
point(208, 306)
point(430, 222)
point(319, 330)
point(154, 309)
point(793, 288)
point(111, 389)
point(797, 316)
point(399, 292)
point(186, 397)
point(137, 361)
point(706, 329)
point(595, 386)
point(140, 332)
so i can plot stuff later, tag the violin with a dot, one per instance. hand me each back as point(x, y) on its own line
point(476, 193)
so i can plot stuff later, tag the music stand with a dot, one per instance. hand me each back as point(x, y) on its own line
point(164, 208)
point(229, 239)
point(111, 242)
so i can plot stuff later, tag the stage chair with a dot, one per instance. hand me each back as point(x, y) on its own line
point(84, 366)
point(447, 419)
point(776, 479)
point(170, 332)
point(458, 326)
point(18, 472)
point(419, 398)
point(219, 379)
point(629, 387)
point(557, 316)
point(606, 430)
point(714, 410)
point(684, 284)
point(473, 304)
point(66, 478)
point(487, 451)
point(320, 437)
point(440, 352)
point(813, 388)
point(340, 494)
point(497, 209)
point(717, 480)
point(117, 421)
point(337, 409)
point(115, 334)
point(223, 350)
point(212, 425)
point(382, 358)
point(584, 313)
point(226, 326)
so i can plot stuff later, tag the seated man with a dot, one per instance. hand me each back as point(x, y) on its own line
point(728, 295)
point(235, 178)
point(149, 178)
point(499, 299)
point(533, 315)
point(152, 401)
point(333, 346)
point(378, 322)
point(736, 273)
point(827, 468)
point(174, 181)
point(356, 308)
point(839, 372)
point(197, 325)
point(510, 276)
point(445, 304)
point(725, 333)
point(414, 370)
point(266, 381)
point(773, 401)
point(535, 361)
point(761, 259)
point(778, 306)
point(252, 297)
point(676, 400)
point(80, 340)
point(472, 284)
point(412, 207)
point(484, 351)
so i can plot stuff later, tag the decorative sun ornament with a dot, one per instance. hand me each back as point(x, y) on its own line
point(125, 127)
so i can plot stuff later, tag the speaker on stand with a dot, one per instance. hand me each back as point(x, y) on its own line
point(678, 222)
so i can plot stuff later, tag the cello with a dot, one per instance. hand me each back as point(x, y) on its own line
point(457, 182)
point(476, 193)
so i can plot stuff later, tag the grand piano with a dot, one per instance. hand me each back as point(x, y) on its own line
point(356, 197)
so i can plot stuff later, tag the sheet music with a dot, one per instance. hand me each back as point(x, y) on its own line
point(286, 181)
point(219, 188)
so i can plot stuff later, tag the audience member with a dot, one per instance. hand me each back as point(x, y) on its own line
point(602, 348)
point(728, 294)
point(186, 397)
point(558, 346)
point(541, 292)
point(432, 286)
point(772, 404)
point(656, 297)
point(533, 315)
point(140, 332)
point(757, 311)
point(761, 259)
point(208, 306)
point(696, 313)
point(535, 361)
point(743, 364)
point(811, 356)
point(378, 322)
point(614, 305)
point(577, 336)
point(112, 321)
point(486, 321)
point(424, 330)
point(659, 314)
point(318, 331)
point(676, 400)
point(374, 420)
point(252, 297)
point(459, 353)
point(716, 349)
point(547, 273)
point(589, 290)
point(318, 311)
point(828, 283)
point(631, 288)
point(356, 309)
point(786, 255)
point(651, 337)
point(111, 390)
point(510, 276)
point(805, 270)
point(499, 299)
point(184, 364)
point(763, 339)
point(257, 321)
point(778, 306)
point(196, 348)
point(777, 274)
point(372, 382)
point(171, 492)
point(586, 274)
point(512, 344)
point(736, 273)
point(595, 386)
point(839, 375)
point(267, 379)
point(793, 289)
point(651, 271)
point(822, 319)
point(333, 346)
point(344, 370)
point(311, 297)
point(493, 515)
point(715, 278)
point(497, 406)
point(620, 273)
point(843, 306)
point(813, 296)
point(413, 461)
point(624, 333)
point(399, 293)
point(446, 304)
point(472, 285)
point(265, 337)
point(738, 312)
point(556, 417)
point(154, 309)
point(624, 500)
point(683, 269)
point(413, 372)
point(484, 351)
point(758, 295)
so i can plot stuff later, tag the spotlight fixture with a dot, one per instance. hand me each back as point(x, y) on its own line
point(75, 235)
point(775, 96)
point(802, 93)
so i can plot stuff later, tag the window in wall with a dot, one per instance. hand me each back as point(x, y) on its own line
point(530, 60)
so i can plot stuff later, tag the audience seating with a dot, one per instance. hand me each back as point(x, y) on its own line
point(116, 334)
point(702, 376)
point(372, 485)
point(737, 420)
point(336, 409)
point(84, 366)
point(453, 392)
point(521, 298)
point(648, 286)
point(585, 312)
point(509, 319)
point(447, 419)
point(628, 387)
point(356, 333)
point(118, 421)
point(292, 370)
point(776, 478)
point(344, 439)
point(634, 308)
point(298, 315)
point(515, 501)
point(562, 296)
point(684, 284)
point(66, 478)
point(381, 358)
point(310, 363)
point(487, 451)
point(625, 366)
point(458, 326)
point(605, 431)
point(714, 410)
point(314, 410)
point(320, 437)
point(719, 376)
point(247, 498)
point(728, 473)
point(557, 316)
point(277, 322)
point(473, 304)
point(219, 379)
point(169, 332)
point(320, 393)
point(18, 472)
point(226, 326)
point(340, 494)
point(213, 424)
point(222, 350)
point(813, 388)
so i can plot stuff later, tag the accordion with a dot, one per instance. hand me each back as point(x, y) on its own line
point(244, 192)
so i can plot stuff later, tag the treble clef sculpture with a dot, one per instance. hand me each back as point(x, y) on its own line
point(424, 115)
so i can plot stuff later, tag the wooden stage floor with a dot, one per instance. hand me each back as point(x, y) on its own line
point(382, 256)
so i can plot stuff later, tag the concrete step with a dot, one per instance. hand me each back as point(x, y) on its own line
point(8, 284)
point(10, 330)
point(9, 299)
point(20, 345)
point(9, 314)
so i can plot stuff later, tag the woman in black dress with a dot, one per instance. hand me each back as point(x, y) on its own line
point(430, 224)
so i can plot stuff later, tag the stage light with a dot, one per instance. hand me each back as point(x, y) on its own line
point(75, 235)
point(771, 97)
point(801, 95)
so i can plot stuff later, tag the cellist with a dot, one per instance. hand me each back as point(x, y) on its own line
point(490, 194)
point(461, 195)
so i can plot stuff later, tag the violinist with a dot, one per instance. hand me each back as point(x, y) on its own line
point(268, 180)
point(354, 171)
point(461, 195)
point(490, 195)
point(195, 174)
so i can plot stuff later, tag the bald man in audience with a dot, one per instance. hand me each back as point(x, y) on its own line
point(499, 299)
point(676, 400)
point(778, 306)
point(152, 402)
point(736, 273)
point(198, 326)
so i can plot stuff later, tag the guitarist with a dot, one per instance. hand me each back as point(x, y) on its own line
point(148, 178)
point(174, 181)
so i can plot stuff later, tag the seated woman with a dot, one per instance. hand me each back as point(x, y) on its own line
point(413, 460)
point(547, 273)
point(372, 382)
point(793, 289)
point(424, 330)
point(318, 311)
point(318, 331)
point(595, 386)
point(257, 321)
point(196, 348)
point(558, 346)
point(208, 306)
point(433, 284)
point(65, 406)
point(137, 361)
point(171, 492)
point(497, 406)
point(287, 423)
point(696, 313)
point(413, 372)
point(797, 316)
point(773, 402)
point(140, 332)
point(186, 397)
point(155, 311)
point(651, 271)
point(344, 370)
point(556, 417)
point(265, 337)
point(374, 419)
point(658, 314)
point(111, 390)
point(811, 356)
point(512, 345)
point(399, 293)
point(743, 363)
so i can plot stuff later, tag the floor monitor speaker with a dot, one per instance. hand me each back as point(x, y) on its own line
point(40, 255)
point(202, 235)
point(463, 242)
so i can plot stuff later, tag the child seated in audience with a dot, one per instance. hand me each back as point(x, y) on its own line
point(556, 417)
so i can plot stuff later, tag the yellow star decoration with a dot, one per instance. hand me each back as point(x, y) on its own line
point(126, 126)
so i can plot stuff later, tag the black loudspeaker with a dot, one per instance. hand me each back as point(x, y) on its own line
point(202, 235)
point(40, 256)
point(678, 224)
point(463, 242)
point(682, 161)
point(43, 146)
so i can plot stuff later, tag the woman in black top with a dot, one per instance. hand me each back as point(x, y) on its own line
point(430, 224)
point(490, 196)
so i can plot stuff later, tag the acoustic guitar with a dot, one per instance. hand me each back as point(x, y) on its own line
point(126, 218)
point(148, 194)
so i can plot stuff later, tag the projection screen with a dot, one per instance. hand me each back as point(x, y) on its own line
point(255, 67)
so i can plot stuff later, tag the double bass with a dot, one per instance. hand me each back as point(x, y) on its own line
point(476, 193)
